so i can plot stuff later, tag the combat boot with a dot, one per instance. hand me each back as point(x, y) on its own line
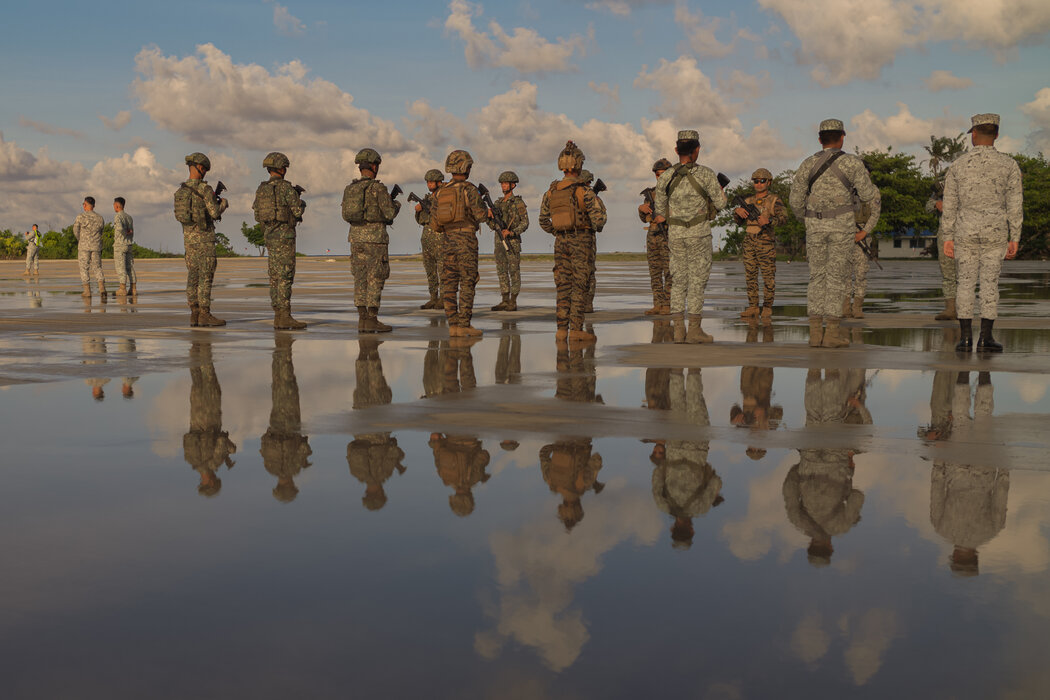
point(470, 331)
point(949, 311)
point(87, 291)
point(653, 311)
point(195, 314)
point(432, 304)
point(122, 290)
point(589, 309)
point(696, 334)
point(986, 343)
point(26, 273)
point(379, 326)
point(582, 336)
point(207, 320)
point(750, 312)
point(502, 306)
point(965, 343)
point(767, 314)
point(102, 290)
point(858, 307)
point(282, 320)
point(833, 335)
point(512, 303)
point(847, 309)
point(562, 334)
point(678, 323)
point(816, 331)
point(665, 310)
point(134, 290)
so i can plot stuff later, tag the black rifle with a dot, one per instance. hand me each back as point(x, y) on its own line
point(300, 189)
point(723, 180)
point(867, 251)
point(219, 189)
point(423, 203)
point(486, 199)
point(599, 186)
point(396, 191)
point(752, 211)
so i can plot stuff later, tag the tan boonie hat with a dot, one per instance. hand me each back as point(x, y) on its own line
point(832, 125)
point(982, 119)
point(688, 135)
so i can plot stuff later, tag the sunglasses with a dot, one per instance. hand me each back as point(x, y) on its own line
point(758, 180)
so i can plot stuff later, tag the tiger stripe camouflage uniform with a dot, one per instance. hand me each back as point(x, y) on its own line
point(369, 241)
point(87, 228)
point(658, 255)
point(278, 227)
point(515, 215)
point(460, 461)
point(123, 248)
point(459, 271)
point(430, 245)
point(199, 240)
point(760, 247)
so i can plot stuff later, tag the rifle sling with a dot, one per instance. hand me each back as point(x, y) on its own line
point(672, 185)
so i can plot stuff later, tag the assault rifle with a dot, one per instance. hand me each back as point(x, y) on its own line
point(599, 186)
point(220, 187)
point(486, 199)
point(413, 197)
point(300, 189)
point(752, 211)
point(396, 191)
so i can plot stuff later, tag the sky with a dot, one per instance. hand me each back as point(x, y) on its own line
point(108, 103)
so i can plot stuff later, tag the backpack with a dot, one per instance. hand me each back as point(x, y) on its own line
point(354, 201)
point(565, 202)
point(265, 207)
point(681, 172)
point(449, 206)
point(184, 204)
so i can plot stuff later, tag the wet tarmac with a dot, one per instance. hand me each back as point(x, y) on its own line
point(242, 512)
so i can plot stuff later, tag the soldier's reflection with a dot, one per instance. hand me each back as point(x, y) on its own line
point(206, 446)
point(508, 357)
point(756, 390)
point(968, 503)
point(460, 462)
point(685, 486)
point(372, 457)
point(127, 347)
point(284, 448)
point(93, 349)
point(818, 492)
point(577, 377)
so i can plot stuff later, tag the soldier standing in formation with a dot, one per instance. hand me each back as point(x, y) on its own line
point(982, 226)
point(430, 241)
point(284, 448)
point(124, 249)
point(687, 197)
point(197, 209)
point(88, 231)
point(460, 461)
point(825, 188)
point(935, 205)
point(857, 263)
point(279, 207)
point(372, 457)
point(32, 252)
point(456, 214)
point(570, 212)
point(657, 252)
point(760, 243)
point(206, 446)
point(369, 209)
point(587, 178)
point(515, 216)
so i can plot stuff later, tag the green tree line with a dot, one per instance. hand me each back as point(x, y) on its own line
point(62, 245)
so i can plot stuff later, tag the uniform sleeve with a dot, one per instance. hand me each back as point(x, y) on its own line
point(715, 191)
point(869, 194)
point(521, 224)
point(346, 204)
point(545, 213)
point(388, 208)
point(660, 193)
point(213, 208)
point(1014, 202)
point(293, 200)
point(477, 209)
point(797, 197)
point(422, 216)
point(76, 227)
point(595, 212)
point(876, 211)
point(951, 206)
point(780, 214)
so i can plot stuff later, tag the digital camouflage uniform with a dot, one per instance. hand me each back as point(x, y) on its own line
point(459, 270)
point(515, 216)
point(94, 351)
point(460, 461)
point(658, 255)
point(33, 252)
point(369, 258)
point(206, 445)
point(372, 457)
point(284, 448)
point(278, 208)
point(947, 265)
point(430, 244)
point(124, 248)
point(760, 247)
point(87, 228)
point(199, 239)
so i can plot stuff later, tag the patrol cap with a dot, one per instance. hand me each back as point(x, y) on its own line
point(982, 119)
point(762, 173)
point(458, 162)
point(832, 125)
point(276, 160)
point(200, 159)
point(368, 156)
point(662, 164)
point(688, 135)
point(508, 176)
point(434, 175)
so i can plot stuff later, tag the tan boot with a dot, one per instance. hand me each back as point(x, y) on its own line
point(87, 291)
point(195, 314)
point(582, 336)
point(949, 311)
point(122, 290)
point(816, 331)
point(767, 313)
point(749, 312)
point(858, 307)
point(678, 323)
point(512, 303)
point(470, 331)
point(379, 325)
point(207, 320)
point(502, 306)
point(653, 311)
point(833, 335)
point(134, 290)
point(696, 334)
point(434, 303)
point(455, 332)
point(847, 309)
point(562, 334)
point(282, 320)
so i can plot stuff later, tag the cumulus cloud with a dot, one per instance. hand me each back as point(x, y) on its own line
point(687, 93)
point(523, 49)
point(286, 23)
point(902, 129)
point(1038, 112)
point(700, 33)
point(49, 129)
point(118, 122)
point(745, 86)
point(946, 80)
point(611, 95)
point(623, 8)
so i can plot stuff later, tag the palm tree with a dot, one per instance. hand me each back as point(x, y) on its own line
point(944, 149)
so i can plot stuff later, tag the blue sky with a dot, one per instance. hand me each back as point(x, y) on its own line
point(510, 82)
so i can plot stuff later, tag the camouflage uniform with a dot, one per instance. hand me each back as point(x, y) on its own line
point(658, 255)
point(947, 265)
point(88, 231)
point(124, 248)
point(508, 357)
point(968, 505)
point(278, 228)
point(577, 376)
point(372, 457)
point(460, 461)
point(430, 244)
point(33, 252)
point(515, 216)
point(573, 255)
point(369, 259)
point(206, 446)
point(459, 270)
point(199, 239)
point(284, 448)
point(760, 247)
point(571, 470)
point(592, 279)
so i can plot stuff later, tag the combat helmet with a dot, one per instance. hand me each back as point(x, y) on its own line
point(761, 174)
point(508, 176)
point(571, 157)
point(662, 164)
point(458, 163)
point(586, 177)
point(433, 175)
point(368, 156)
point(276, 160)
point(200, 159)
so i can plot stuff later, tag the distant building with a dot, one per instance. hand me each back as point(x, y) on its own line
point(907, 244)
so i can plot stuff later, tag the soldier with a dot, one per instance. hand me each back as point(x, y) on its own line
point(826, 189)
point(760, 243)
point(197, 208)
point(284, 448)
point(279, 207)
point(206, 445)
point(755, 410)
point(571, 470)
point(515, 216)
point(32, 252)
point(460, 462)
point(372, 457)
point(571, 213)
point(430, 241)
point(857, 263)
point(124, 249)
point(688, 212)
point(983, 215)
point(657, 252)
point(88, 231)
point(935, 205)
point(94, 350)
point(369, 209)
point(592, 281)
point(456, 214)
point(127, 347)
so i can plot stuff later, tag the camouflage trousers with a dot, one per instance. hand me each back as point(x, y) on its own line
point(592, 279)
point(370, 266)
point(658, 254)
point(948, 270)
point(280, 266)
point(430, 244)
point(508, 357)
point(978, 260)
point(573, 259)
point(90, 263)
point(690, 270)
point(33, 258)
point(508, 264)
point(459, 276)
point(760, 255)
point(124, 262)
point(826, 250)
point(200, 271)
point(857, 265)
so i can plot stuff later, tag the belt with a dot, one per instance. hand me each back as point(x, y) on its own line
point(837, 211)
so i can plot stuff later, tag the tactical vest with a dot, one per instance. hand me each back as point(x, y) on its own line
point(566, 205)
point(266, 208)
point(355, 204)
point(682, 173)
point(189, 207)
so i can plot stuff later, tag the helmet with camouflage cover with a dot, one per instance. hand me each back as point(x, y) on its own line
point(433, 175)
point(662, 164)
point(508, 176)
point(571, 157)
point(761, 174)
point(368, 156)
point(586, 177)
point(458, 163)
point(200, 159)
point(276, 160)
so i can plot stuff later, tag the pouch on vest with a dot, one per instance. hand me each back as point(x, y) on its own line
point(565, 203)
point(354, 206)
point(267, 211)
point(449, 209)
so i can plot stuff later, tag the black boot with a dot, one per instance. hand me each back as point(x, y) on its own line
point(965, 343)
point(986, 343)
